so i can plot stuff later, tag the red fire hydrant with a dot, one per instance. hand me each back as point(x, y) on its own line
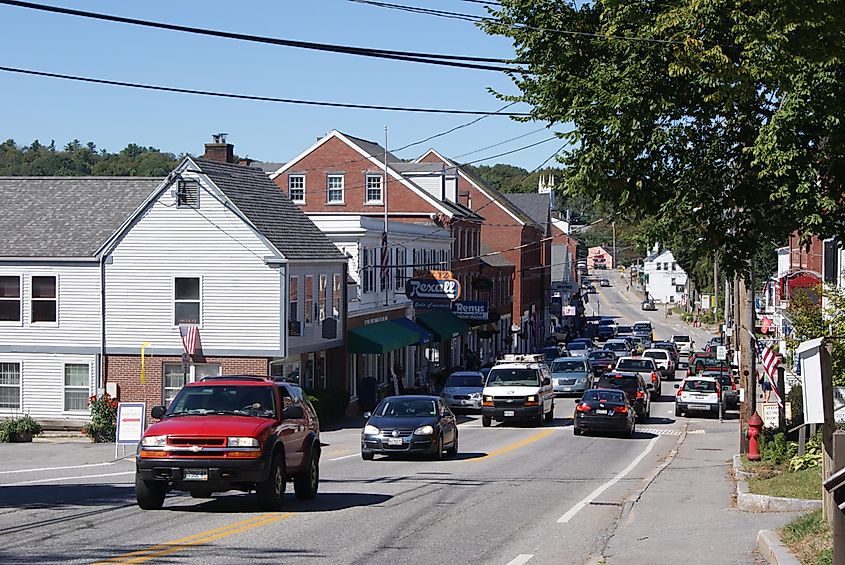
point(755, 426)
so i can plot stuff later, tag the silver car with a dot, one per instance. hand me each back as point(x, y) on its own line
point(463, 390)
point(571, 375)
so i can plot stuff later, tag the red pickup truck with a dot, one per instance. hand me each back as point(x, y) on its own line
point(231, 433)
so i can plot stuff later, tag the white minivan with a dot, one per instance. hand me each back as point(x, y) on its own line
point(518, 387)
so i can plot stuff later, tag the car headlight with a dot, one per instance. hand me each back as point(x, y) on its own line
point(242, 442)
point(488, 399)
point(154, 441)
point(531, 399)
point(424, 431)
point(371, 430)
point(582, 379)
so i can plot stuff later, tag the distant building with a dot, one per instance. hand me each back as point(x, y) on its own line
point(599, 258)
point(665, 281)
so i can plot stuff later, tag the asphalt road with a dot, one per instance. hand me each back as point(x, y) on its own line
point(514, 495)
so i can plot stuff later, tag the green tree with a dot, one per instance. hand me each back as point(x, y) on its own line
point(719, 120)
point(810, 320)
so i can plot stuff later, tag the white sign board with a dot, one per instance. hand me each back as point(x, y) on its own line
point(569, 310)
point(721, 352)
point(811, 380)
point(770, 415)
point(839, 403)
point(131, 420)
point(705, 302)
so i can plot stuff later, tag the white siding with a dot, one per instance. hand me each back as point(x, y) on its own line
point(240, 306)
point(78, 291)
point(312, 334)
point(659, 284)
point(432, 183)
point(42, 384)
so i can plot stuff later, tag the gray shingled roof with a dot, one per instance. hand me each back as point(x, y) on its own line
point(274, 215)
point(373, 149)
point(535, 206)
point(66, 216)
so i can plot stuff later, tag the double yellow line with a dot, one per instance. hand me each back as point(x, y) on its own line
point(181, 544)
point(516, 445)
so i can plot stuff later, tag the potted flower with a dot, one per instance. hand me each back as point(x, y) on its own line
point(103, 424)
point(19, 430)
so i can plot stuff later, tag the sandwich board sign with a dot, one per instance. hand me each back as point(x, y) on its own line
point(131, 422)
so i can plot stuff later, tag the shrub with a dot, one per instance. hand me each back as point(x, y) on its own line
point(776, 449)
point(10, 429)
point(812, 454)
point(329, 403)
point(103, 425)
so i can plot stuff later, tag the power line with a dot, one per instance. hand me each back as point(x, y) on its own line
point(523, 148)
point(254, 98)
point(456, 128)
point(500, 143)
point(459, 61)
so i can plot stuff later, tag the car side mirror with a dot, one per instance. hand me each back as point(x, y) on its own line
point(547, 381)
point(367, 415)
point(158, 412)
point(293, 412)
point(677, 386)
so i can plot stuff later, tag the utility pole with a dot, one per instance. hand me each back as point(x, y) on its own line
point(614, 243)
point(716, 288)
point(747, 354)
point(385, 255)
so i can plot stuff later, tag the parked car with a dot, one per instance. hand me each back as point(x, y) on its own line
point(607, 328)
point(231, 433)
point(646, 368)
point(730, 394)
point(604, 410)
point(663, 360)
point(634, 386)
point(649, 304)
point(698, 395)
point(684, 343)
point(410, 424)
point(462, 390)
point(518, 387)
point(601, 361)
point(604, 282)
point(570, 374)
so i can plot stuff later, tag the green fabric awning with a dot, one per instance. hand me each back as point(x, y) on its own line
point(381, 337)
point(443, 324)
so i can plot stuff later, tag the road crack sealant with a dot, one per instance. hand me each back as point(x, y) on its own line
point(629, 503)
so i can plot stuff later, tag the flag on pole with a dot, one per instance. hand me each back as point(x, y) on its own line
point(385, 255)
point(190, 338)
point(771, 361)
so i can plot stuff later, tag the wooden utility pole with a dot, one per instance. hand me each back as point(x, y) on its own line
point(715, 304)
point(747, 355)
point(828, 427)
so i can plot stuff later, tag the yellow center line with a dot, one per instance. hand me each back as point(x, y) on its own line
point(516, 445)
point(202, 537)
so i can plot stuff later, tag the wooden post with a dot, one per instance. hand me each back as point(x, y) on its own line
point(782, 391)
point(746, 357)
point(838, 518)
point(828, 426)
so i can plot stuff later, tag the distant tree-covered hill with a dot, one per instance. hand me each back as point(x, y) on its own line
point(76, 159)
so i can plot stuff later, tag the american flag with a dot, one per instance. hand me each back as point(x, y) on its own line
point(771, 360)
point(190, 338)
point(385, 255)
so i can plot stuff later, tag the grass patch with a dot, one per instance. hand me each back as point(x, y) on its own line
point(806, 484)
point(809, 538)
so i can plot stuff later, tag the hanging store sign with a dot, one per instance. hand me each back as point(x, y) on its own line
point(470, 310)
point(432, 289)
point(432, 305)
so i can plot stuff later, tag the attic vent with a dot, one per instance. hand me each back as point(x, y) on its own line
point(188, 194)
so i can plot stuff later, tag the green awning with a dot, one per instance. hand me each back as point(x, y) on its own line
point(381, 337)
point(443, 324)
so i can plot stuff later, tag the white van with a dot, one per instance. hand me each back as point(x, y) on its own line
point(518, 387)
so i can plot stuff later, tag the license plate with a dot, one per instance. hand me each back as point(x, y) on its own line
point(607, 412)
point(195, 475)
point(508, 412)
point(394, 441)
point(698, 407)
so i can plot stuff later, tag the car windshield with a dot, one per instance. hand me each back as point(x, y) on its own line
point(475, 381)
point(603, 396)
point(513, 377)
point(576, 345)
point(406, 408)
point(603, 355)
point(635, 365)
point(239, 400)
point(700, 386)
point(656, 354)
point(626, 383)
point(642, 327)
point(606, 322)
point(625, 329)
point(568, 366)
point(615, 346)
point(681, 338)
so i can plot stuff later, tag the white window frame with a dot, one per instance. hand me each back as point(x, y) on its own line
point(76, 388)
point(19, 386)
point(173, 299)
point(337, 295)
point(322, 297)
point(368, 188)
point(189, 377)
point(329, 189)
point(32, 299)
point(308, 310)
point(19, 321)
point(291, 189)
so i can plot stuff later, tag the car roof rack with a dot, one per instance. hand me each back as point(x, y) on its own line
point(523, 358)
point(234, 378)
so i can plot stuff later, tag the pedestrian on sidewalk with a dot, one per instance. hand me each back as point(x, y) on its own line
point(765, 386)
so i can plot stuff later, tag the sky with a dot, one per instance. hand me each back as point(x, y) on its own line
point(112, 117)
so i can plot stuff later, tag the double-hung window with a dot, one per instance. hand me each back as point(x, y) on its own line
point(44, 300)
point(10, 386)
point(10, 299)
point(77, 379)
point(334, 189)
point(322, 297)
point(336, 290)
point(186, 301)
point(293, 300)
point(309, 299)
point(373, 189)
point(296, 188)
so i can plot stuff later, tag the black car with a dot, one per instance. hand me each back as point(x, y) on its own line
point(604, 410)
point(410, 424)
point(637, 390)
point(601, 360)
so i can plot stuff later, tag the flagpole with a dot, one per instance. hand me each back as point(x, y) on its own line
point(385, 273)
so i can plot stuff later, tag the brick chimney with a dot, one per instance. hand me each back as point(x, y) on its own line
point(219, 150)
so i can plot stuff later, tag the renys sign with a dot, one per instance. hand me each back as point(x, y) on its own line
point(470, 310)
point(432, 289)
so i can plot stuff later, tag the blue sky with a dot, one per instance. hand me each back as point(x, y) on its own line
point(51, 109)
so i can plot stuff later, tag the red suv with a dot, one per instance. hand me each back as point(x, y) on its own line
point(231, 433)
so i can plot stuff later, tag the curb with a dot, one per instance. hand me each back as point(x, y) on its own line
point(763, 503)
point(772, 550)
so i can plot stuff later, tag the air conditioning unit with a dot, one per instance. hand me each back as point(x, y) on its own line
point(294, 328)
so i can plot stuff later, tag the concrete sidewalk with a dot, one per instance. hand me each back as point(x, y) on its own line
point(687, 513)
